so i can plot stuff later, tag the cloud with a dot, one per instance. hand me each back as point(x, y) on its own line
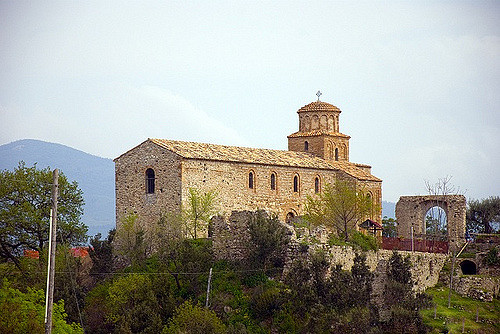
point(116, 119)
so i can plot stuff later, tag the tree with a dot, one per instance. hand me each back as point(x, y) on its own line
point(133, 305)
point(340, 207)
point(25, 203)
point(101, 253)
point(401, 300)
point(389, 226)
point(23, 312)
point(269, 239)
point(482, 213)
point(130, 243)
point(194, 319)
point(201, 207)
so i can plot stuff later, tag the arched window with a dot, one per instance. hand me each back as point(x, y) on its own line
point(336, 154)
point(250, 180)
point(273, 181)
point(150, 181)
point(306, 146)
point(316, 185)
point(296, 184)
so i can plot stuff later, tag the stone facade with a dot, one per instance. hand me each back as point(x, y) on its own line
point(155, 176)
point(411, 211)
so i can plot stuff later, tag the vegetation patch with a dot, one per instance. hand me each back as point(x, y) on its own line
point(465, 315)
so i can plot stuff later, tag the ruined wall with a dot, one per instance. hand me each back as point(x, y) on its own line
point(483, 288)
point(231, 237)
point(411, 210)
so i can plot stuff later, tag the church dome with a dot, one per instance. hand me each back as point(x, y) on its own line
point(319, 106)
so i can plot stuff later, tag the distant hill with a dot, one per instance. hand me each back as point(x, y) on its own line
point(95, 176)
point(388, 209)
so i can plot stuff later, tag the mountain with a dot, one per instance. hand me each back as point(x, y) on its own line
point(95, 176)
point(388, 209)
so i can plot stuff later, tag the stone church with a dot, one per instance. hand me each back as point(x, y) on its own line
point(155, 176)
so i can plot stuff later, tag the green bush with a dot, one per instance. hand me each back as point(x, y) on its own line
point(25, 312)
point(194, 319)
point(365, 242)
point(491, 257)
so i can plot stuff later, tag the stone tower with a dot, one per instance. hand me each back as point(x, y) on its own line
point(319, 132)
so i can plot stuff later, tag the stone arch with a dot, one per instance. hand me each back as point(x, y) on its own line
point(315, 123)
point(150, 181)
point(296, 183)
point(468, 267)
point(344, 152)
point(411, 210)
point(251, 179)
point(323, 122)
point(328, 152)
point(317, 184)
point(307, 126)
point(331, 124)
point(290, 216)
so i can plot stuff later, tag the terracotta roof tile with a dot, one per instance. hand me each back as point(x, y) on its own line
point(319, 106)
point(191, 150)
point(317, 133)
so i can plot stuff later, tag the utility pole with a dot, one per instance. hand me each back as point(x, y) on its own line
point(208, 286)
point(49, 298)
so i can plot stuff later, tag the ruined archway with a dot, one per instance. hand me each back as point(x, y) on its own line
point(436, 222)
point(468, 267)
point(411, 214)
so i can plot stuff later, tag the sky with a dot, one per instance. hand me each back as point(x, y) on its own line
point(418, 82)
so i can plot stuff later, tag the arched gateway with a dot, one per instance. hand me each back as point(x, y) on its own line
point(411, 212)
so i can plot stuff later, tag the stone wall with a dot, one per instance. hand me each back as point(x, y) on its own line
point(477, 287)
point(230, 240)
point(130, 183)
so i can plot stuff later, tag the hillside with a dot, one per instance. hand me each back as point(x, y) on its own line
point(95, 176)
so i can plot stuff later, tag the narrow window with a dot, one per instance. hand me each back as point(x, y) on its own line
point(250, 180)
point(273, 181)
point(295, 184)
point(150, 181)
point(316, 185)
point(306, 146)
point(336, 154)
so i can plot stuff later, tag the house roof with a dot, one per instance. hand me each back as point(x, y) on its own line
point(319, 106)
point(192, 150)
point(371, 224)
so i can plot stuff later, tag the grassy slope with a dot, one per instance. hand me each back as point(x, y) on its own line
point(461, 308)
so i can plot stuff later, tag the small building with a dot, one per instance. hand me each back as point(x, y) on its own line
point(155, 176)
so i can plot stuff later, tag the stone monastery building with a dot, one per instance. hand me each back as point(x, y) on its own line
point(155, 176)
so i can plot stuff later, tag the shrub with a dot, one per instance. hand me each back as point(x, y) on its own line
point(365, 242)
point(194, 319)
point(491, 257)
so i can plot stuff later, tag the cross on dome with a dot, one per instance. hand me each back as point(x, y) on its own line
point(319, 94)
